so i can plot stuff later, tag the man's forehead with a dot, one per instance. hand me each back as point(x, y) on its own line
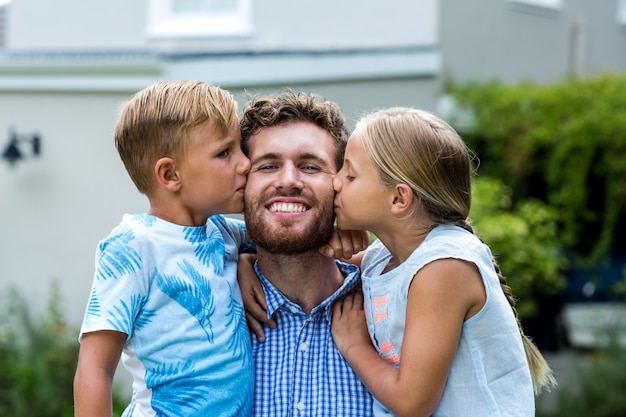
point(293, 141)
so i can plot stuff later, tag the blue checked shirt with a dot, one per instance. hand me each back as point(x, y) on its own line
point(298, 369)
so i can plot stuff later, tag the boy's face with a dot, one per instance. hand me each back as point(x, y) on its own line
point(289, 195)
point(213, 173)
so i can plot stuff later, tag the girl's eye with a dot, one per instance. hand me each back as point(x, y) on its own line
point(349, 178)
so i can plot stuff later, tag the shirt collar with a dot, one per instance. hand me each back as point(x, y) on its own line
point(276, 299)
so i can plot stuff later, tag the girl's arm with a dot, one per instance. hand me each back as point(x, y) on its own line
point(98, 357)
point(442, 295)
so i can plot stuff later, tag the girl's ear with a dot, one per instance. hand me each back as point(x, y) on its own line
point(167, 174)
point(402, 199)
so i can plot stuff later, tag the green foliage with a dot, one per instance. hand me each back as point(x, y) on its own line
point(602, 380)
point(563, 145)
point(523, 239)
point(37, 359)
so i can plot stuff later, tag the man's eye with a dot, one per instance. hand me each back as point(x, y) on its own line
point(310, 168)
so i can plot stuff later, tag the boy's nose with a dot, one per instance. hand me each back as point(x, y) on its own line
point(244, 164)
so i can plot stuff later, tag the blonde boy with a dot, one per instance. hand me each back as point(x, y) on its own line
point(165, 296)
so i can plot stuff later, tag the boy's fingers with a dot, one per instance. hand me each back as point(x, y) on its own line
point(255, 327)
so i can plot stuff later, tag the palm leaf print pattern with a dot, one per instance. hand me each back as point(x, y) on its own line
point(94, 308)
point(238, 343)
point(123, 314)
point(210, 251)
point(195, 296)
point(189, 395)
point(118, 258)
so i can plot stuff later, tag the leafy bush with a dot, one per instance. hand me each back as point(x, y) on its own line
point(523, 239)
point(563, 145)
point(37, 359)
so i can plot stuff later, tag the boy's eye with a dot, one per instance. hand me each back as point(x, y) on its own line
point(349, 178)
point(224, 153)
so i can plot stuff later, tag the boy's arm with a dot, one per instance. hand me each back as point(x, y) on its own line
point(97, 360)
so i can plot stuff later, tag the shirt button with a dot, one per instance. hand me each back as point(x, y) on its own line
point(300, 406)
point(293, 309)
point(304, 346)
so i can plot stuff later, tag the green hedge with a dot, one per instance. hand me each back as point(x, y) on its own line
point(523, 239)
point(563, 145)
point(38, 358)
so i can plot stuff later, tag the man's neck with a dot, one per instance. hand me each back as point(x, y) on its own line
point(306, 279)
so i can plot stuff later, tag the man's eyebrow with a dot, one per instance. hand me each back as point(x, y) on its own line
point(265, 157)
point(305, 156)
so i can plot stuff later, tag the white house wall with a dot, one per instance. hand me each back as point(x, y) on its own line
point(56, 207)
point(71, 25)
point(67, 65)
point(512, 41)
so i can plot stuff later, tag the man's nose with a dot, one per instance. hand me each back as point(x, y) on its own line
point(289, 177)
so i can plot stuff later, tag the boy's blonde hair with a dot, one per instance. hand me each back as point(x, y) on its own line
point(157, 122)
point(417, 148)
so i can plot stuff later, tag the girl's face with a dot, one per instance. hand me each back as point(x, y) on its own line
point(361, 199)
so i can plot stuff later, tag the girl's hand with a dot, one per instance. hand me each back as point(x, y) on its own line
point(253, 296)
point(349, 328)
point(343, 244)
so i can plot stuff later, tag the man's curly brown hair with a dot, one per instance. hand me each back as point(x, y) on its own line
point(288, 106)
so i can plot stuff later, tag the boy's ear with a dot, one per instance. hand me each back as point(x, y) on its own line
point(167, 174)
point(402, 199)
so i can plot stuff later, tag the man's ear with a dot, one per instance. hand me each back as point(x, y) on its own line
point(167, 174)
point(402, 199)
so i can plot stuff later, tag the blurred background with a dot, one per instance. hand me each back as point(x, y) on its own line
point(536, 87)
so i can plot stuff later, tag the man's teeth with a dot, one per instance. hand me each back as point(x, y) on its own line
point(287, 208)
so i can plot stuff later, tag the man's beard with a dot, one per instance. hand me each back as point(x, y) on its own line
point(287, 241)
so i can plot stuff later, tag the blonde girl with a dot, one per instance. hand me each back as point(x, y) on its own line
point(447, 340)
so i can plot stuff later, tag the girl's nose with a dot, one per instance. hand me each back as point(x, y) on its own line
point(337, 182)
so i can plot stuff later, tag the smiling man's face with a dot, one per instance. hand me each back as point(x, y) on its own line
point(289, 194)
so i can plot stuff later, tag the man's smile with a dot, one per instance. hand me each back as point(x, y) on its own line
point(287, 207)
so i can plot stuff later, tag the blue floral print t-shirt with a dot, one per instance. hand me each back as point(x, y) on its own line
point(173, 290)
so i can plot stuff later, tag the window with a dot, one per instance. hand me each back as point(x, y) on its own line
point(198, 18)
point(544, 4)
point(621, 12)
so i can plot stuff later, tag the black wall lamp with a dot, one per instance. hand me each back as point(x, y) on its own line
point(14, 152)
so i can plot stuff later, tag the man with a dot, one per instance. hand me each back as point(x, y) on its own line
point(296, 144)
